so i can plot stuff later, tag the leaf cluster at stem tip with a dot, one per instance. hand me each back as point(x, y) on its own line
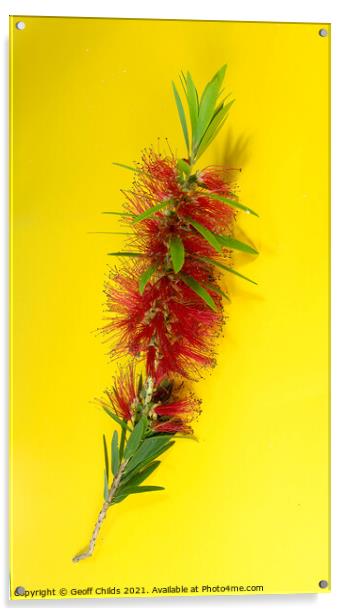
point(206, 115)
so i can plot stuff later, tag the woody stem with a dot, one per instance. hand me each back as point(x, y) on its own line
point(102, 514)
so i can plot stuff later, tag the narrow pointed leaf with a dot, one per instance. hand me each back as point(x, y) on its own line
point(183, 83)
point(176, 251)
point(182, 115)
point(199, 290)
point(192, 100)
point(136, 169)
point(106, 459)
point(220, 105)
point(231, 242)
point(152, 211)
point(217, 290)
point(118, 420)
point(218, 79)
point(139, 489)
point(125, 254)
point(149, 449)
point(136, 467)
point(183, 167)
point(122, 494)
point(204, 145)
point(135, 438)
point(106, 488)
point(234, 204)
point(110, 232)
point(225, 267)
point(145, 277)
point(206, 234)
point(213, 129)
point(136, 477)
point(119, 214)
point(236, 273)
point(208, 103)
point(122, 440)
point(115, 458)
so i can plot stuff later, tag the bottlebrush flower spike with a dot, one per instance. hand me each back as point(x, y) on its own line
point(165, 304)
point(163, 402)
point(169, 326)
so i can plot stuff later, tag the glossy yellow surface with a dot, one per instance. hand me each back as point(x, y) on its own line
point(249, 503)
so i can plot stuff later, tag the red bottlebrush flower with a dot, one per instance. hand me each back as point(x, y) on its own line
point(212, 178)
point(157, 400)
point(159, 180)
point(160, 177)
point(173, 408)
point(173, 426)
point(123, 394)
point(168, 325)
point(175, 414)
point(218, 217)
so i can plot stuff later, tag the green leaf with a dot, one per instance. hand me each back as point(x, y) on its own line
point(231, 242)
point(115, 458)
point(182, 115)
point(128, 167)
point(145, 277)
point(183, 167)
point(123, 440)
point(141, 465)
point(106, 488)
point(122, 494)
point(176, 250)
point(119, 214)
point(193, 106)
point(183, 82)
point(139, 489)
point(234, 204)
point(206, 233)
point(206, 143)
point(199, 290)
point(152, 210)
point(225, 267)
point(135, 438)
point(213, 129)
point(149, 449)
point(106, 459)
point(220, 105)
point(106, 470)
point(218, 290)
point(118, 420)
point(135, 478)
point(208, 103)
point(110, 232)
point(217, 78)
point(125, 254)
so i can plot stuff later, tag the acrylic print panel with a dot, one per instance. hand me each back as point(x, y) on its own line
point(246, 504)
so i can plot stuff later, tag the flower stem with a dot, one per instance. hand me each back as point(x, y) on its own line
point(102, 514)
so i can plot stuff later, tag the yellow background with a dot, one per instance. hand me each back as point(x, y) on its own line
point(249, 503)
